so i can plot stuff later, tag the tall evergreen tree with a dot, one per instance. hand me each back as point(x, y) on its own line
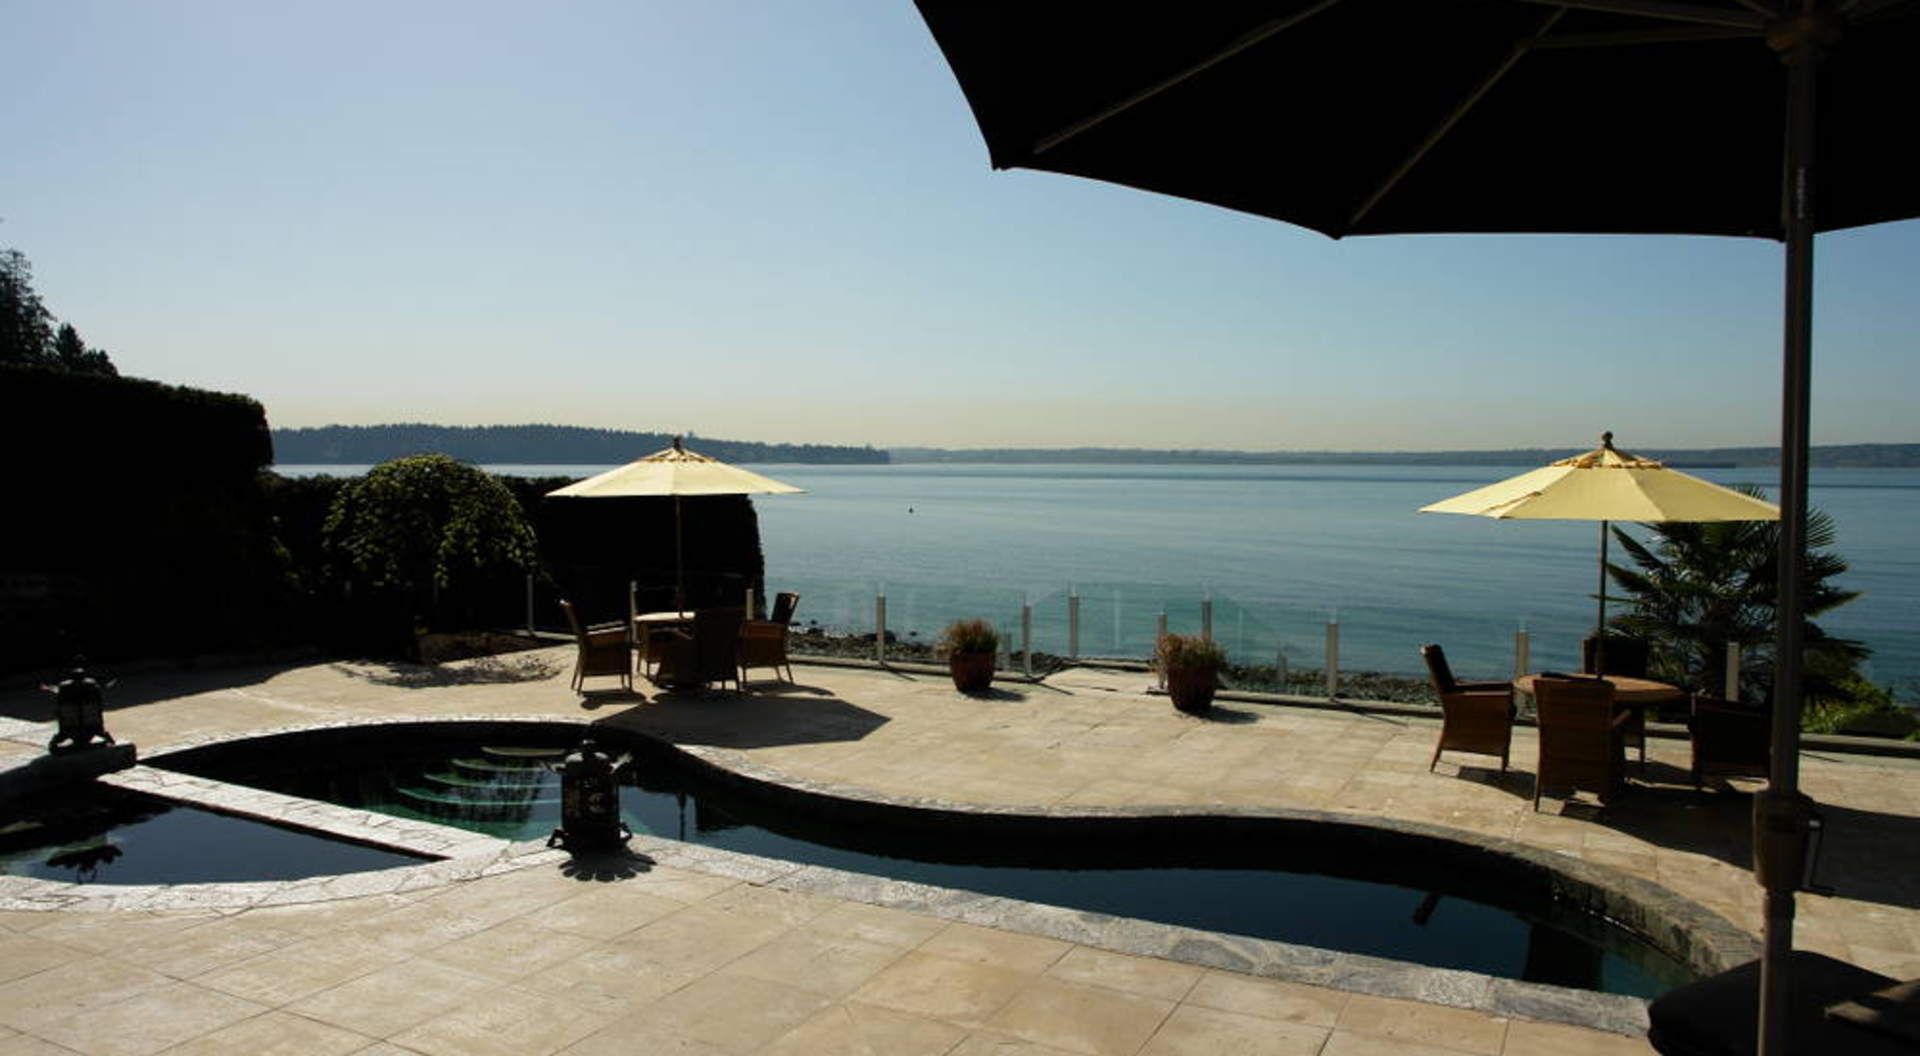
point(71, 353)
point(26, 330)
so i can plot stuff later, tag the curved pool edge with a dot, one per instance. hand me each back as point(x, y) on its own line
point(1706, 941)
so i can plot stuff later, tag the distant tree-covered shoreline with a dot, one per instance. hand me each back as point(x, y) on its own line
point(530, 445)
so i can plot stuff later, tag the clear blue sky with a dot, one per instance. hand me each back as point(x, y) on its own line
point(776, 221)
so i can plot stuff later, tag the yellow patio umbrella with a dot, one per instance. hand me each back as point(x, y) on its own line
point(1606, 485)
point(678, 472)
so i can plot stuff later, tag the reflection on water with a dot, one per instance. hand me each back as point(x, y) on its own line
point(98, 834)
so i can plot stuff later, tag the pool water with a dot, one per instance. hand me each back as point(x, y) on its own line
point(1278, 890)
point(99, 834)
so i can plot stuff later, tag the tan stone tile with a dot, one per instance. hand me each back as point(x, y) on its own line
point(680, 885)
point(28, 1045)
point(989, 1043)
point(1269, 998)
point(208, 947)
point(293, 972)
point(963, 992)
point(111, 932)
point(149, 1021)
point(510, 1022)
point(604, 912)
point(1195, 1031)
point(414, 928)
point(623, 1040)
point(886, 926)
point(609, 980)
point(510, 950)
point(1528, 1038)
point(698, 940)
point(394, 998)
point(493, 902)
point(828, 965)
point(736, 1013)
point(864, 1030)
point(1145, 976)
point(1453, 1028)
point(26, 954)
point(275, 1034)
point(1343, 1043)
point(32, 1001)
point(1003, 949)
point(788, 909)
point(1081, 1018)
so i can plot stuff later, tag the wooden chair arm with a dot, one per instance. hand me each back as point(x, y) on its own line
point(606, 636)
point(762, 629)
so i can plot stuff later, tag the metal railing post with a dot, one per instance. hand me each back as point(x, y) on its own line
point(1206, 616)
point(1073, 623)
point(1026, 637)
point(1733, 671)
point(530, 605)
point(1279, 668)
point(750, 603)
point(880, 626)
point(1522, 651)
point(1333, 655)
point(1159, 633)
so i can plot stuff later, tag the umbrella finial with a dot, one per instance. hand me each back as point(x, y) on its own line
point(1606, 439)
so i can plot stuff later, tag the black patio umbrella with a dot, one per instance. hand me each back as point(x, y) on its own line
point(1765, 118)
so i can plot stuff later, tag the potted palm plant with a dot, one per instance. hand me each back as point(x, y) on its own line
point(1191, 664)
point(969, 646)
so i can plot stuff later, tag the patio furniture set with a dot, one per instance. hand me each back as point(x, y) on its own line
point(684, 648)
point(1588, 721)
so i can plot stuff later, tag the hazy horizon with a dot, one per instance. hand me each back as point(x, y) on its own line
point(777, 222)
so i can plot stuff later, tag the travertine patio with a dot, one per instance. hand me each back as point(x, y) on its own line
point(698, 957)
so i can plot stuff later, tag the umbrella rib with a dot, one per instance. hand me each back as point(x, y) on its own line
point(1241, 43)
point(1446, 125)
point(1647, 36)
point(1695, 13)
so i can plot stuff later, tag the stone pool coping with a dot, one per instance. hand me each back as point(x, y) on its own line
point(1706, 941)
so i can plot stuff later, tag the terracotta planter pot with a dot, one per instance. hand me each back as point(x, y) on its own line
point(972, 672)
point(1192, 689)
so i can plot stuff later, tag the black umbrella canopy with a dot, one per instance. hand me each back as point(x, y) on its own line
point(1380, 116)
point(1768, 118)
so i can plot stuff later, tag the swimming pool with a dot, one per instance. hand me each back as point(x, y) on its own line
point(99, 834)
point(1313, 885)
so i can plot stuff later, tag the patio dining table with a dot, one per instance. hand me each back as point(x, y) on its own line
point(646, 624)
point(1629, 695)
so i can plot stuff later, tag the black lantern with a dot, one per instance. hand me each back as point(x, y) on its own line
point(589, 802)
point(78, 703)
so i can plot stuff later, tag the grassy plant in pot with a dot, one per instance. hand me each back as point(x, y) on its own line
point(1192, 666)
point(969, 646)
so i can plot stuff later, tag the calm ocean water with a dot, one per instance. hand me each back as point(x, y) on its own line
point(1279, 549)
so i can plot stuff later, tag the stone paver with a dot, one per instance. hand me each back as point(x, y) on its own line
point(705, 958)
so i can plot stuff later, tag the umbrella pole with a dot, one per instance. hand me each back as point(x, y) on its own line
point(679, 563)
point(1600, 627)
point(1781, 814)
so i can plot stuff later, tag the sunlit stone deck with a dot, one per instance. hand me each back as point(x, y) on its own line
point(706, 955)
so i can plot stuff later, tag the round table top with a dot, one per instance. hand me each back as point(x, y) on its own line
point(1625, 690)
point(664, 617)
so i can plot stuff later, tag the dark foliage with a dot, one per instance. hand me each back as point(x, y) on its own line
point(1701, 586)
point(27, 337)
point(142, 528)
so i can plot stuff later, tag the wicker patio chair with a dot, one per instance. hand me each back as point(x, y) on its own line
point(603, 650)
point(1476, 716)
point(704, 653)
point(1579, 737)
point(1625, 656)
point(1730, 739)
point(763, 643)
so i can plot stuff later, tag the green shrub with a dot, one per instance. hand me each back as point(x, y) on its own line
point(1855, 705)
point(433, 531)
point(969, 636)
point(1188, 652)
